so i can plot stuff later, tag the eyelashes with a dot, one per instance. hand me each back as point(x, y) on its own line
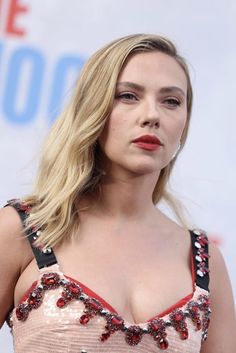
point(173, 102)
point(127, 96)
point(131, 97)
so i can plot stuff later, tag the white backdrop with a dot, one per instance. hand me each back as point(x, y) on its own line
point(43, 44)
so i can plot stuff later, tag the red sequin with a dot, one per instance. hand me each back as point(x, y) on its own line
point(35, 299)
point(84, 319)
point(133, 335)
point(61, 303)
point(93, 305)
point(71, 291)
point(117, 321)
point(157, 325)
point(178, 321)
point(163, 344)
point(194, 313)
point(184, 334)
point(204, 302)
point(22, 312)
point(114, 323)
point(50, 280)
point(92, 308)
point(157, 328)
point(105, 336)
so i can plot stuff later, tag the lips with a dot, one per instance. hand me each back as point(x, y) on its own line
point(148, 142)
point(149, 139)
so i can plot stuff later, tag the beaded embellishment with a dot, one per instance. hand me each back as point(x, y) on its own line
point(201, 255)
point(20, 206)
point(197, 310)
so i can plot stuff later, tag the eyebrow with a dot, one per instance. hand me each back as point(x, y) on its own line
point(167, 89)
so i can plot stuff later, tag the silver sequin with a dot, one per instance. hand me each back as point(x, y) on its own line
point(47, 251)
point(197, 245)
point(200, 273)
point(198, 258)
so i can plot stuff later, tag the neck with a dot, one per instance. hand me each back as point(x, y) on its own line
point(126, 198)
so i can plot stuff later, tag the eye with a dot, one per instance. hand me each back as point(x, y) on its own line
point(126, 96)
point(172, 102)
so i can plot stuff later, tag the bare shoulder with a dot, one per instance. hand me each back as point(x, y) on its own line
point(10, 221)
point(218, 272)
point(217, 265)
point(12, 236)
point(15, 255)
point(223, 318)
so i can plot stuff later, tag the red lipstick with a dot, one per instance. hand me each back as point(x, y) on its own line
point(148, 142)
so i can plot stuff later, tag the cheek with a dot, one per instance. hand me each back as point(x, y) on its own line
point(177, 129)
point(111, 135)
point(114, 129)
point(181, 129)
point(183, 125)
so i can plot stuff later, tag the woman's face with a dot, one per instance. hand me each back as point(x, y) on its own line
point(150, 103)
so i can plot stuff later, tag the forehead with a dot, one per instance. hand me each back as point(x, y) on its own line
point(153, 67)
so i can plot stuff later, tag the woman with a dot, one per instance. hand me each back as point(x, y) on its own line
point(93, 220)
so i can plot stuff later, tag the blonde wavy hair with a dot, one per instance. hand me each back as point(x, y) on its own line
point(68, 168)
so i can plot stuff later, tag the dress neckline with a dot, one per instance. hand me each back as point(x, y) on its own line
point(92, 294)
point(111, 309)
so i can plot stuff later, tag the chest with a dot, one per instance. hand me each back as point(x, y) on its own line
point(138, 279)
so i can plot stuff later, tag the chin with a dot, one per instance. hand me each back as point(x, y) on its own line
point(145, 168)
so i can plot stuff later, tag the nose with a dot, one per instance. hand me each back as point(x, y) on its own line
point(151, 115)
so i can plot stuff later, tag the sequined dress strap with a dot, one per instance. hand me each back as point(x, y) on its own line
point(201, 256)
point(44, 258)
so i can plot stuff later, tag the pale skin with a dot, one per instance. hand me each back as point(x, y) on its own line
point(138, 259)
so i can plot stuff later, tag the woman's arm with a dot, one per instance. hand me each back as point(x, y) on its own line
point(222, 329)
point(15, 253)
